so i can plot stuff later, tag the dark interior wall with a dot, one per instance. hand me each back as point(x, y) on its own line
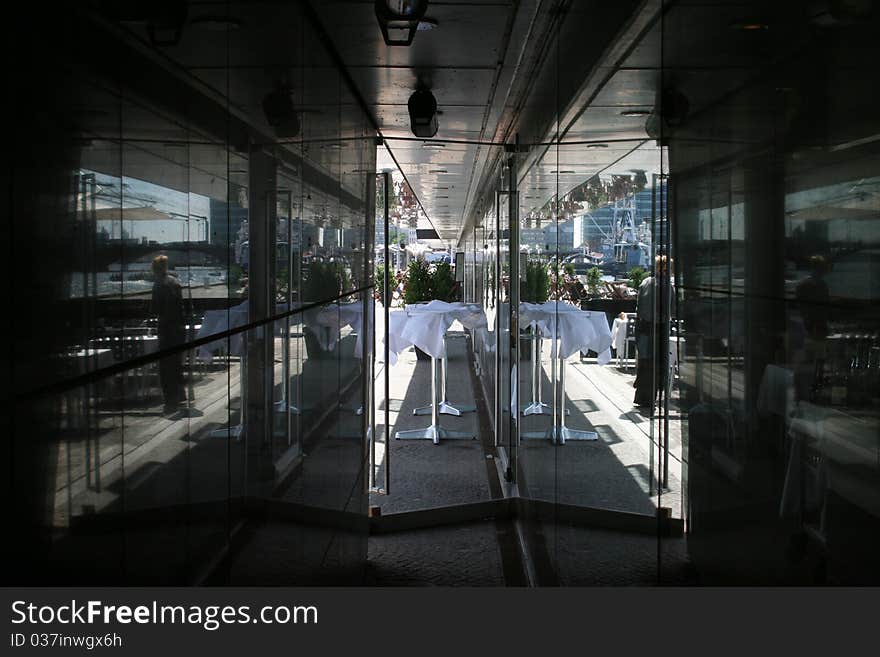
point(772, 172)
point(106, 485)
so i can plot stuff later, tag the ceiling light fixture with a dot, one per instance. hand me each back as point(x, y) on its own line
point(593, 146)
point(638, 112)
point(423, 113)
point(280, 112)
point(399, 20)
point(749, 26)
point(437, 171)
point(216, 23)
point(164, 20)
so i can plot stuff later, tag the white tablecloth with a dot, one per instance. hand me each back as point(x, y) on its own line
point(424, 325)
point(87, 360)
point(218, 321)
point(776, 392)
point(575, 329)
point(618, 335)
point(335, 317)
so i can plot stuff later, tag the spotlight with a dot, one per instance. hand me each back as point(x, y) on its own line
point(423, 113)
point(399, 20)
point(280, 112)
point(164, 19)
point(669, 113)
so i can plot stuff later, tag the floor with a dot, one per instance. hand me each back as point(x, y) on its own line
point(619, 471)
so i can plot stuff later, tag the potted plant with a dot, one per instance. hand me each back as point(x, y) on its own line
point(417, 284)
point(379, 282)
point(636, 275)
point(534, 289)
point(443, 286)
point(418, 289)
point(323, 282)
point(594, 280)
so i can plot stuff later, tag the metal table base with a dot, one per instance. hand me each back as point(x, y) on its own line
point(559, 434)
point(537, 407)
point(446, 407)
point(434, 432)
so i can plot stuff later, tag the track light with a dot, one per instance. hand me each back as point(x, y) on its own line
point(399, 20)
point(164, 19)
point(423, 113)
point(280, 112)
point(669, 113)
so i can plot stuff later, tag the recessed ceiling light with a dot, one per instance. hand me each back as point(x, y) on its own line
point(597, 146)
point(749, 26)
point(216, 23)
point(437, 171)
point(636, 113)
point(563, 171)
point(433, 145)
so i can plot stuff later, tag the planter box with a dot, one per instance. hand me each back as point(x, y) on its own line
point(611, 307)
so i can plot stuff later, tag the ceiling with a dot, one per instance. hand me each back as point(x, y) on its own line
point(572, 80)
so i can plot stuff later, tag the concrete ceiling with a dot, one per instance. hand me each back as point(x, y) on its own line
point(565, 77)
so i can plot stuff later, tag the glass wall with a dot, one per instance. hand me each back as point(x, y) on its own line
point(598, 462)
point(190, 274)
point(707, 191)
point(774, 167)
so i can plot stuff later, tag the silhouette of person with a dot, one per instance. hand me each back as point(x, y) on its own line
point(812, 295)
point(167, 304)
point(652, 336)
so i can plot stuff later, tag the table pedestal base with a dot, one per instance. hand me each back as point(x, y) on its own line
point(536, 408)
point(434, 433)
point(560, 435)
point(229, 432)
point(445, 408)
point(540, 408)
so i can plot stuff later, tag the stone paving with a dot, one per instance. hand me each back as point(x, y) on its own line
point(423, 474)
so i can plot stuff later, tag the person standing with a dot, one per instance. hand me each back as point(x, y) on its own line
point(167, 304)
point(618, 337)
point(652, 335)
point(813, 298)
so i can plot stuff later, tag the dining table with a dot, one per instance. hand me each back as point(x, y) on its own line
point(425, 326)
point(569, 330)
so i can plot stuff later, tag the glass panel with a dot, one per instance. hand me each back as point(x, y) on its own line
point(137, 468)
point(776, 230)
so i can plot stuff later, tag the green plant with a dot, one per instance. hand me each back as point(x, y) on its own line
point(281, 284)
point(536, 288)
point(443, 282)
point(418, 282)
point(636, 276)
point(325, 281)
point(236, 273)
point(379, 281)
point(594, 279)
